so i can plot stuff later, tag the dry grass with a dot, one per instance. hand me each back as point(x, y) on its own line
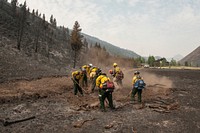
point(181, 67)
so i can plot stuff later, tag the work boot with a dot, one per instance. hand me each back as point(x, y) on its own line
point(113, 109)
point(132, 98)
point(103, 110)
point(132, 101)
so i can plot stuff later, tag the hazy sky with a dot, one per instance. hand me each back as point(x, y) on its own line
point(148, 27)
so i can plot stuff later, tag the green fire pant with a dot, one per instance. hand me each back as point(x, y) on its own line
point(118, 81)
point(94, 83)
point(139, 92)
point(84, 80)
point(102, 97)
point(77, 87)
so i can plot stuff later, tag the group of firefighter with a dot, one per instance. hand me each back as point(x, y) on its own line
point(100, 80)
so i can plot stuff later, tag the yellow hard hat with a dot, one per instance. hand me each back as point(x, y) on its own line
point(114, 64)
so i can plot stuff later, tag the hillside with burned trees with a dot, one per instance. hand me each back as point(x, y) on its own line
point(33, 47)
point(36, 88)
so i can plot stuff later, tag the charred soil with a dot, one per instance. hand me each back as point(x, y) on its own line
point(170, 104)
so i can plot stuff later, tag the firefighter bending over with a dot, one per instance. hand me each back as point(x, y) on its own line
point(94, 73)
point(86, 70)
point(106, 88)
point(76, 76)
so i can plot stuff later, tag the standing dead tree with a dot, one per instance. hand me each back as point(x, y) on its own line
point(21, 24)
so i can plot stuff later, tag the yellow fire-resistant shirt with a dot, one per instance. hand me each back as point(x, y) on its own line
point(101, 80)
point(87, 68)
point(94, 69)
point(116, 71)
point(135, 78)
point(93, 72)
point(77, 75)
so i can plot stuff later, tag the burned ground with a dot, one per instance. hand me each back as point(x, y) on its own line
point(170, 104)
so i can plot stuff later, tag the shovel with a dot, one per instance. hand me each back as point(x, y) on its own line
point(79, 85)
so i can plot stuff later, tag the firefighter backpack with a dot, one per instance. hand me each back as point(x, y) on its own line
point(109, 86)
point(140, 84)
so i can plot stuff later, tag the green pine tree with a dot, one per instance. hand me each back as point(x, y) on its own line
point(76, 42)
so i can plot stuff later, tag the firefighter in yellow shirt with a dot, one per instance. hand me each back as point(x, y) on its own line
point(94, 73)
point(104, 91)
point(137, 88)
point(76, 76)
point(117, 74)
point(86, 70)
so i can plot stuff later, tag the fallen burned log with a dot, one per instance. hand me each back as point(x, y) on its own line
point(160, 101)
point(6, 123)
point(171, 106)
point(162, 106)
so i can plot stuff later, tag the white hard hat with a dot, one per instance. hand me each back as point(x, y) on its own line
point(136, 72)
point(90, 65)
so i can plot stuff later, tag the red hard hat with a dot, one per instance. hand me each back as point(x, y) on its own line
point(111, 71)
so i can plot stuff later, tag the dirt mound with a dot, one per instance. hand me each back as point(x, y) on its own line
point(32, 90)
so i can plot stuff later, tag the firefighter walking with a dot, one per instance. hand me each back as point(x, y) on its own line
point(138, 85)
point(117, 74)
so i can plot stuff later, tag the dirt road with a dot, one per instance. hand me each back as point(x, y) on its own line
point(170, 104)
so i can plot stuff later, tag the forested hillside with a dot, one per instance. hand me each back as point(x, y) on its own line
point(114, 50)
point(32, 46)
